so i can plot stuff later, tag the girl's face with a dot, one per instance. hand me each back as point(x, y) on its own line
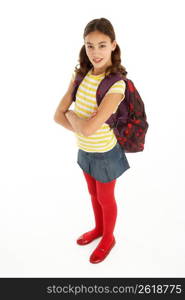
point(98, 48)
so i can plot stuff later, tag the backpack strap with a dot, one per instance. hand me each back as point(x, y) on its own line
point(102, 89)
point(77, 81)
point(105, 84)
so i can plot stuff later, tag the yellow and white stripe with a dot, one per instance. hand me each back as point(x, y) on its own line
point(85, 104)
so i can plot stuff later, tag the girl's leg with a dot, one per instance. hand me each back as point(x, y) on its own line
point(98, 230)
point(107, 200)
point(105, 193)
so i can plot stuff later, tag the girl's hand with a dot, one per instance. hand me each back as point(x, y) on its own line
point(69, 111)
point(93, 114)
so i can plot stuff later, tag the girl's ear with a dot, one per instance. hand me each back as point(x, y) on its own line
point(114, 45)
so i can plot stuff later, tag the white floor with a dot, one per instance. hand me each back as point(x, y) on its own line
point(42, 217)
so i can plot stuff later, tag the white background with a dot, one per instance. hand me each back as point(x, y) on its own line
point(44, 201)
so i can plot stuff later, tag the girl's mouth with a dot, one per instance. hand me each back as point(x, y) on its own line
point(97, 60)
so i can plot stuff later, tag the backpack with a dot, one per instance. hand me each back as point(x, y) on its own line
point(129, 122)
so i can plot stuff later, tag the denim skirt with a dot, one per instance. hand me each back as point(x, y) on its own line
point(104, 166)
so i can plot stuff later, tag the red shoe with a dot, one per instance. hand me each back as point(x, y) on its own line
point(100, 253)
point(82, 240)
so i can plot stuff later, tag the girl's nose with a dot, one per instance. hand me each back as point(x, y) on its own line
point(95, 53)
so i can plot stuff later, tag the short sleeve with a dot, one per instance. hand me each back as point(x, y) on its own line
point(117, 87)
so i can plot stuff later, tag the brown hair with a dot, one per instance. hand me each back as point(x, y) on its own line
point(104, 26)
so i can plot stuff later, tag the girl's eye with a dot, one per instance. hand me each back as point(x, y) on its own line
point(91, 46)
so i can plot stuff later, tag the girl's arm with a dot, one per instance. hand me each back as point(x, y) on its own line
point(61, 119)
point(106, 108)
point(76, 122)
point(63, 106)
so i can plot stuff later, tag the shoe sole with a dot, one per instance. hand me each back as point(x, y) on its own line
point(88, 242)
point(96, 262)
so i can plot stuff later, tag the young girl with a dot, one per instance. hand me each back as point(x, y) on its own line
point(100, 156)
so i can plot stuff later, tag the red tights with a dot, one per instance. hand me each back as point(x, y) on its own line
point(104, 208)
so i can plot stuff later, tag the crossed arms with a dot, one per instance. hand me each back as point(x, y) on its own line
point(70, 120)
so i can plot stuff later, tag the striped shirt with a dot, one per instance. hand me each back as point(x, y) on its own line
point(104, 138)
